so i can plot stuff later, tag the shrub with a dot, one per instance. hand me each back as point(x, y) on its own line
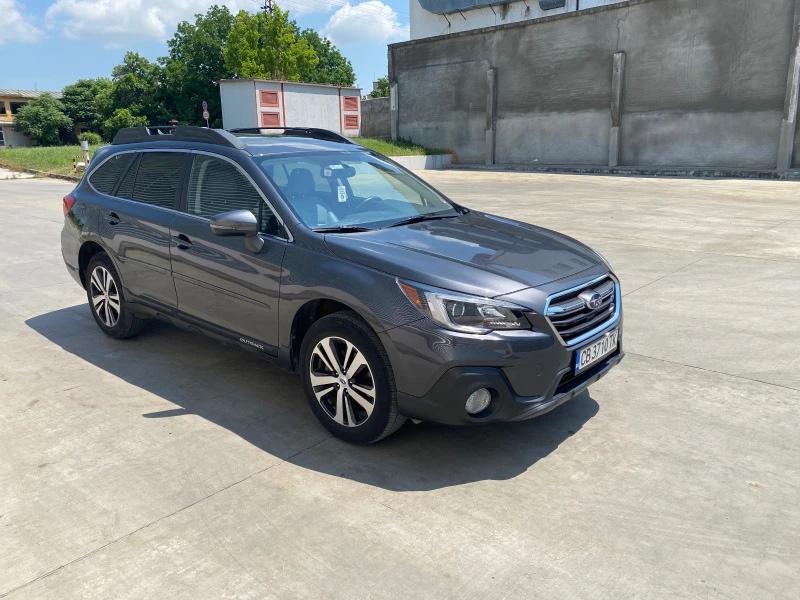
point(94, 139)
point(122, 117)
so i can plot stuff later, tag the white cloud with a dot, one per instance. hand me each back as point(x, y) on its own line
point(16, 27)
point(368, 22)
point(115, 22)
point(297, 8)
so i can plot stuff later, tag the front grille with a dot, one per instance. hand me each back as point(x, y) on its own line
point(570, 316)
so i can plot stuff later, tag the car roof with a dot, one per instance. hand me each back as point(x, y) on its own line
point(255, 141)
point(279, 144)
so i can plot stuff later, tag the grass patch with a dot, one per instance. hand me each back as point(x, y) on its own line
point(396, 148)
point(51, 159)
point(58, 159)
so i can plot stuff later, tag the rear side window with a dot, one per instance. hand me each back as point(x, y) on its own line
point(125, 189)
point(105, 177)
point(217, 186)
point(158, 177)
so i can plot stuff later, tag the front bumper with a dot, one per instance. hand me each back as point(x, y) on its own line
point(445, 402)
point(529, 373)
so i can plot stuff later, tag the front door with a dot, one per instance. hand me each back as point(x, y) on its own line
point(218, 280)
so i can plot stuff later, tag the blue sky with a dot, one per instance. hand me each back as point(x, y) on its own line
point(47, 44)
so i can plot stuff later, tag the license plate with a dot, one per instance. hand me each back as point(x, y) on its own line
point(586, 357)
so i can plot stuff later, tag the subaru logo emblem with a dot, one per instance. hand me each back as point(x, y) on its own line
point(591, 299)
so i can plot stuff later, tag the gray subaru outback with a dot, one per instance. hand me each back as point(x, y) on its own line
point(390, 301)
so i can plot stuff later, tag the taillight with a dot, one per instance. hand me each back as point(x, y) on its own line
point(69, 202)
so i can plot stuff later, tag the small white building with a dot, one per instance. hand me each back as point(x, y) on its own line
point(268, 103)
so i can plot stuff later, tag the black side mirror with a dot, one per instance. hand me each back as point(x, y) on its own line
point(238, 222)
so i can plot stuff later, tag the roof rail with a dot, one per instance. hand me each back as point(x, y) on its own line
point(160, 133)
point(312, 132)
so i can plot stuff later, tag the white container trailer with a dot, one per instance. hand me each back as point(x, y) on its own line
point(267, 103)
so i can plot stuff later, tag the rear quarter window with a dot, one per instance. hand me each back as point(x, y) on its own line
point(104, 178)
point(125, 189)
point(158, 177)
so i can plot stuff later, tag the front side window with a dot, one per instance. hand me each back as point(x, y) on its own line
point(217, 186)
point(339, 189)
point(104, 178)
point(158, 177)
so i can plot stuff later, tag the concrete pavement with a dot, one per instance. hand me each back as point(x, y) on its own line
point(171, 466)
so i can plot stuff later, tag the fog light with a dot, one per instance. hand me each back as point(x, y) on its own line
point(478, 401)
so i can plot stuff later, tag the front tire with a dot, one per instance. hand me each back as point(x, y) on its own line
point(348, 379)
point(107, 301)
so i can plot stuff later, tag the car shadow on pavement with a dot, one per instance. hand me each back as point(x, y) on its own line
point(265, 406)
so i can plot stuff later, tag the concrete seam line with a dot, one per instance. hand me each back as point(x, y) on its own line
point(719, 253)
point(158, 520)
point(753, 235)
point(672, 362)
point(667, 275)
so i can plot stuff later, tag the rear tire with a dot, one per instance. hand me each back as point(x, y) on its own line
point(107, 302)
point(348, 379)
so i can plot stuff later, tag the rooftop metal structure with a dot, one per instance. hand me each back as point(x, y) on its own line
point(222, 137)
point(311, 132)
point(27, 94)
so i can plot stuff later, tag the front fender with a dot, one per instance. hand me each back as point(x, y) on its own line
point(311, 275)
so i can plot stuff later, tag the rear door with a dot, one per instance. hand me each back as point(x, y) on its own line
point(218, 279)
point(134, 223)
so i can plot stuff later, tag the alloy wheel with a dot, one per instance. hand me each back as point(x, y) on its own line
point(105, 296)
point(342, 381)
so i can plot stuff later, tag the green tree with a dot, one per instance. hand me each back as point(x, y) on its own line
point(122, 117)
point(267, 45)
point(80, 102)
point(383, 88)
point(332, 68)
point(44, 120)
point(195, 64)
point(138, 86)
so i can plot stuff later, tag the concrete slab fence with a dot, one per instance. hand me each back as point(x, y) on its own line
point(711, 83)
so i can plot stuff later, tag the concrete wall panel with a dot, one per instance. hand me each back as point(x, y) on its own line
point(555, 138)
point(701, 139)
point(376, 115)
point(451, 111)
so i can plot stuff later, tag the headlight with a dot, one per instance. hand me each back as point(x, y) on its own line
point(459, 312)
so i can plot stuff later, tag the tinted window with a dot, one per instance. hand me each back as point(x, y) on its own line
point(217, 186)
point(125, 189)
point(104, 178)
point(158, 177)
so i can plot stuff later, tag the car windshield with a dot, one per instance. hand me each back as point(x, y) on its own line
point(351, 190)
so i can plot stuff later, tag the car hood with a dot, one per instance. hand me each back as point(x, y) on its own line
point(474, 253)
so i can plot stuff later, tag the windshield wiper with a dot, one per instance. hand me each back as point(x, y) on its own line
point(418, 218)
point(341, 229)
